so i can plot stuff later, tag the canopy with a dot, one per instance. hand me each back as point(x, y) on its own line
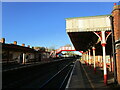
point(81, 32)
point(86, 24)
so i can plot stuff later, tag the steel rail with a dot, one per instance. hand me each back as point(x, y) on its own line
point(47, 82)
point(18, 82)
point(68, 74)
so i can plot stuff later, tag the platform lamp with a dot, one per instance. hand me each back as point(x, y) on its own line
point(113, 51)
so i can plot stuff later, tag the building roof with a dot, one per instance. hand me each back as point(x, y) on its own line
point(14, 47)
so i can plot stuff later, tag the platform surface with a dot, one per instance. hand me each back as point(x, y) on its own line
point(83, 76)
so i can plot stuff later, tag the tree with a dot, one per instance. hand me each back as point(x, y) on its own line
point(51, 48)
point(70, 53)
point(40, 48)
point(68, 45)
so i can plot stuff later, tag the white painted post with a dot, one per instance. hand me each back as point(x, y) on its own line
point(85, 58)
point(94, 59)
point(82, 56)
point(23, 58)
point(89, 59)
point(98, 60)
point(103, 43)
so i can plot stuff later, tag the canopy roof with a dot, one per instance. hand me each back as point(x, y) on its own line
point(81, 32)
point(86, 24)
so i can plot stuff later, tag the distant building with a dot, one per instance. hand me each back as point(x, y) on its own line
point(13, 53)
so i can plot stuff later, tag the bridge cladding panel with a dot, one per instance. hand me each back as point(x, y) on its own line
point(81, 31)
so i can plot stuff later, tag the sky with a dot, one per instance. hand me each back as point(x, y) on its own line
point(43, 23)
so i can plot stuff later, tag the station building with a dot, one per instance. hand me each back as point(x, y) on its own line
point(20, 54)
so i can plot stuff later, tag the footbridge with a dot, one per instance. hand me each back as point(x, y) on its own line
point(63, 48)
point(66, 48)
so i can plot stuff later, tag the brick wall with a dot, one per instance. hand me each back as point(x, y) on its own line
point(116, 15)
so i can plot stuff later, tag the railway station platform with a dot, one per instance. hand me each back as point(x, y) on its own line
point(83, 76)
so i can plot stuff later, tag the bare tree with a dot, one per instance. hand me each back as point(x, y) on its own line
point(68, 45)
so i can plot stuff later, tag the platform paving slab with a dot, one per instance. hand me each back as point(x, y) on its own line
point(84, 77)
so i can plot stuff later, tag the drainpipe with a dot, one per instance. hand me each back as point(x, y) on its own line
point(114, 51)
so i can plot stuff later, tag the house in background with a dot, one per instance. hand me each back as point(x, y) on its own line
point(13, 53)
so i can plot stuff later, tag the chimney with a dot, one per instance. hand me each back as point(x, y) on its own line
point(2, 40)
point(114, 4)
point(23, 45)
point(116, 19)
point(15, 42)
point(29, 46)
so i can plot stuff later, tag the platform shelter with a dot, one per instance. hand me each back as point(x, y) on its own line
point(92, 35)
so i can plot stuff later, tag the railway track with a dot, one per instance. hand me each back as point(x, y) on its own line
point(45, 75)
point(59, 80)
